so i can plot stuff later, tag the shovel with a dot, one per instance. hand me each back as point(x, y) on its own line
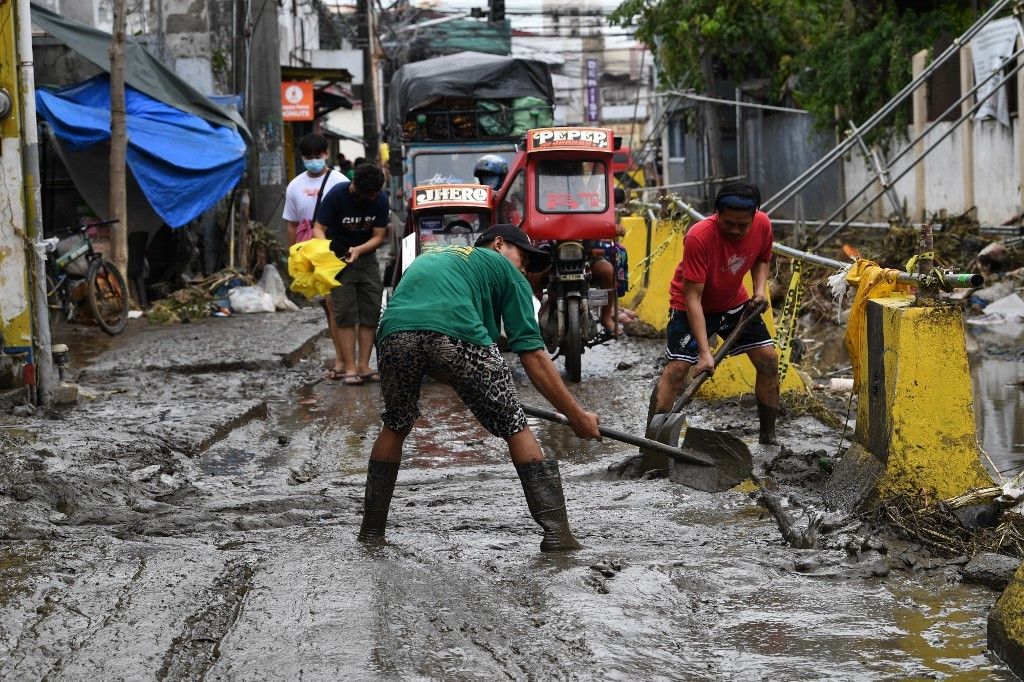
point(731, 456)
point(675, 453)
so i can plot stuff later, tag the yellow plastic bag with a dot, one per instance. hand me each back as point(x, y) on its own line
point(313, 267)
point(872, 281)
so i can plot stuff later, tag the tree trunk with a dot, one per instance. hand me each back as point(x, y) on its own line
point(118, 143)
point(712, 124)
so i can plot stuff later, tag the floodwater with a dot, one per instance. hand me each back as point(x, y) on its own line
point(997, 368)
point(247, 567)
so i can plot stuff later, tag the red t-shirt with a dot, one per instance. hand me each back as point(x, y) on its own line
point(719, 263)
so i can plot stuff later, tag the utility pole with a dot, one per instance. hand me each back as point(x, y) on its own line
point(371, 131)
point(118, 143)
point(261, 80)
point(16, 48)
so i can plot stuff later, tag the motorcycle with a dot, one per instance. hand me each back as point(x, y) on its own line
point(560, 191)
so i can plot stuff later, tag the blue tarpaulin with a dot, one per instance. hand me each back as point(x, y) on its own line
point(183, 163)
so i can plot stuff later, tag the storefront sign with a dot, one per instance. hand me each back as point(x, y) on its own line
point(593, 98)
point(297, 101)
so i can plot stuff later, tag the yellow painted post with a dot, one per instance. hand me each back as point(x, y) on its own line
point(666, 252)
point(15, 308)
point(916, 405)
point(635, 243)
point(1006, 625)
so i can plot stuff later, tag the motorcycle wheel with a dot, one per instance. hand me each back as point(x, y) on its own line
point(572, 349)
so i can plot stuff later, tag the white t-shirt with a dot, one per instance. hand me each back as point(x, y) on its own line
point(300, 197)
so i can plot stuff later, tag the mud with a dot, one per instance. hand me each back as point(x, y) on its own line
point(197, 519)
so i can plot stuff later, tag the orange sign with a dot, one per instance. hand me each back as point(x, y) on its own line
point(429, 196)
point(297, 101)
point(570, 138)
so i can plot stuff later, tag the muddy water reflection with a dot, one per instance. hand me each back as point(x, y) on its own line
point(999, 404)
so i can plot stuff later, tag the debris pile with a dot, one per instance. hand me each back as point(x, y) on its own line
point(978, 521)
point(196, 301)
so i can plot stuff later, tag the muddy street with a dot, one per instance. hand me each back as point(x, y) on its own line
point(195, 517)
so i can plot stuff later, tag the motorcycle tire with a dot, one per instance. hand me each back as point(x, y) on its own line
point(572, 349)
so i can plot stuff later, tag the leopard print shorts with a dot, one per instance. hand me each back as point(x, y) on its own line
point(478, 374)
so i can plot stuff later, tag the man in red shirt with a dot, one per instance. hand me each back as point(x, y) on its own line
point(708, 298)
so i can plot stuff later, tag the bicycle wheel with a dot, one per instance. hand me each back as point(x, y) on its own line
point(57, 302)
point(108, 296)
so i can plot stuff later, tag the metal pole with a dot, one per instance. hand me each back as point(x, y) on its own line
point(910, 145)
point(801, 181)
point(959, 280)
point(45, 375)
point(918, 159)
point(871, 156)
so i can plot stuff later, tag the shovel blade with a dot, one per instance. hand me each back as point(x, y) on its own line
point(731, 455)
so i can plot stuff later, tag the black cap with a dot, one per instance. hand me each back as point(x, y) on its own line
point(537, 259)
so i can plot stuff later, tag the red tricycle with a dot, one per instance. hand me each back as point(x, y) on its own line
point(444, 215)
point(560, 191)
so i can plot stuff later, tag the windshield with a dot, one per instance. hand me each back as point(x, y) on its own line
point(450, 168)
point(450, 229)
point(572, 187)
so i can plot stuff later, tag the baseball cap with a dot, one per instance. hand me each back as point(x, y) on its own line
point(537, 259)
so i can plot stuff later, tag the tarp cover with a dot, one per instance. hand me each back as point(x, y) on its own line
point(466, 74)
point(142, 70)
point(183, 163)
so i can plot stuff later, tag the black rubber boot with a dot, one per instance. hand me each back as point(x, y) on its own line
point(767, 416)
point(380, 485)
point(542, 485)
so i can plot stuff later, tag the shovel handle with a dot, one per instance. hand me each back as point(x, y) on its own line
point(621, 436)
point(691, 389)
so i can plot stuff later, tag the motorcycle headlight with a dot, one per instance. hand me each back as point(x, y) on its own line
point(570, 251)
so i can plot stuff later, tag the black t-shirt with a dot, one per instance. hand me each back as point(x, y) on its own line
point(348, 219)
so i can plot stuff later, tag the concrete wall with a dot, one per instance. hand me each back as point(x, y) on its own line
point(996, 175)
point(186, 32)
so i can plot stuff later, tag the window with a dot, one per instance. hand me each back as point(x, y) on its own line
point(572, 187)
point(513, 206)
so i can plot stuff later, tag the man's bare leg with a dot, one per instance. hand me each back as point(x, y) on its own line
point(670, 384)
point(604, 277)
point(347, 342)
point(366, 335)
point(338, 365)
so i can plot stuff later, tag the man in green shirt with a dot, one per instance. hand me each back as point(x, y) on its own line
point(443, 320)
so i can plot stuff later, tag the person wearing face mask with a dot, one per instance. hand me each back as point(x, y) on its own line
point(444, 319)
point(354, 216)
point(304, 192)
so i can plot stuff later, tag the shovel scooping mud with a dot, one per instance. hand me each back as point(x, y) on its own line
point(731, 458)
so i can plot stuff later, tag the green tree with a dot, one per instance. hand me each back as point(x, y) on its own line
point(697, 42)
point(856, 63)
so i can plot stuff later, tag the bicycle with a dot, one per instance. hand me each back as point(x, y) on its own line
point(105, 292)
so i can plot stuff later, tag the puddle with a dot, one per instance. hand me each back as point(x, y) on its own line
point(999, 400)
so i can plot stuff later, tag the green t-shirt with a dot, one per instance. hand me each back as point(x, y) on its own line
point(466, 293)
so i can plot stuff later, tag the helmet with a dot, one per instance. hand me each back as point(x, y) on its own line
point(491, 170)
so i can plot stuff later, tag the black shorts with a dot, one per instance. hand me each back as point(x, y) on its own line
point(479, 375)
point(683, 346)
